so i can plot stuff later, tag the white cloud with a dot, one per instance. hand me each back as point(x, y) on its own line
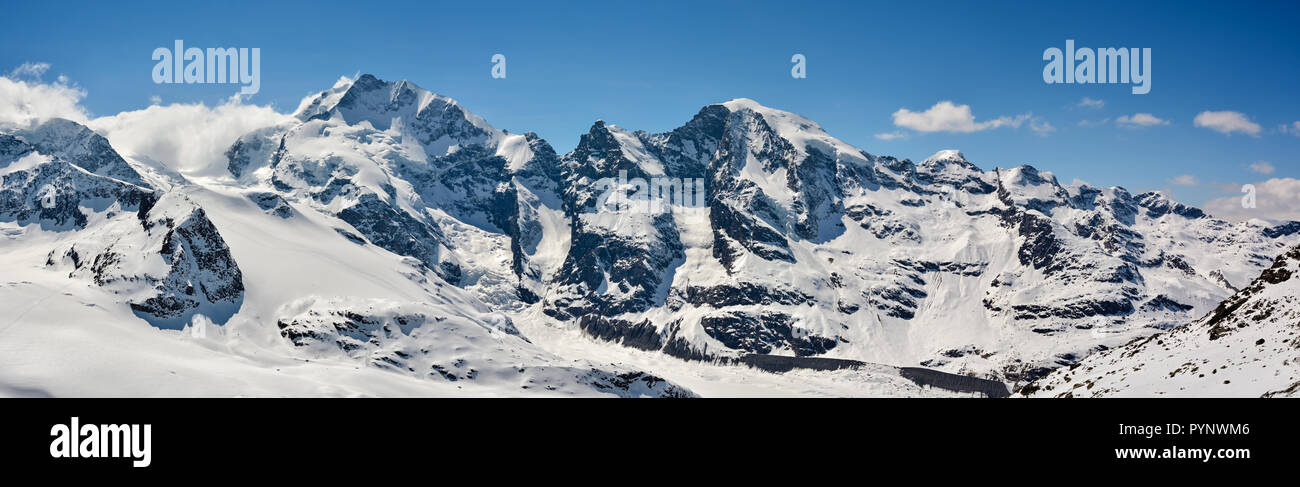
point(1140, 120)
point(1262, 167)
point(1090, 103)
point(946, 116)
point(1293, 128)
point(25, 102)
point(1227, 122)
point(155, 100)
point(1275, 199)
point(30, 70)
point(188, 138)
point(897, 134)
point(1041, 127)
point(1184, 180)
point(1093, 123)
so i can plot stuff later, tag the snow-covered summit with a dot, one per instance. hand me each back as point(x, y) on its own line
point(803, 133)
point(79, 145)
point(437, 121)
point(946, 155)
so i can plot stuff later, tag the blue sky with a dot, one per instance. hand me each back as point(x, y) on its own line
point(651, 65)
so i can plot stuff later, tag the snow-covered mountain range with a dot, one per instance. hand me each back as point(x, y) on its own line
point(385, 240)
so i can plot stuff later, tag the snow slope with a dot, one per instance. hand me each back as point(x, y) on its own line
point(1248, 346)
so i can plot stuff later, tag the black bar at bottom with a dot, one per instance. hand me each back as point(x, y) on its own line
point(730, 436)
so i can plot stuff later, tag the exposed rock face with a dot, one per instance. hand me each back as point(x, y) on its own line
point(172, 261)
point(201, 274)
point(272, 203)
point(58, 194)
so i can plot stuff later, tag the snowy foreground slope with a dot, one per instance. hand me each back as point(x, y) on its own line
point(1248, 346)
point(383, 240)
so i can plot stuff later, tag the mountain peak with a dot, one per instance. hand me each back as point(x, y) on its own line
point(740, 103)
point(439, 123)
point(1158, 204)
point(802, 132)
point(82, 147)
point(370, 97)
point(367, 81)
point(946, 155)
